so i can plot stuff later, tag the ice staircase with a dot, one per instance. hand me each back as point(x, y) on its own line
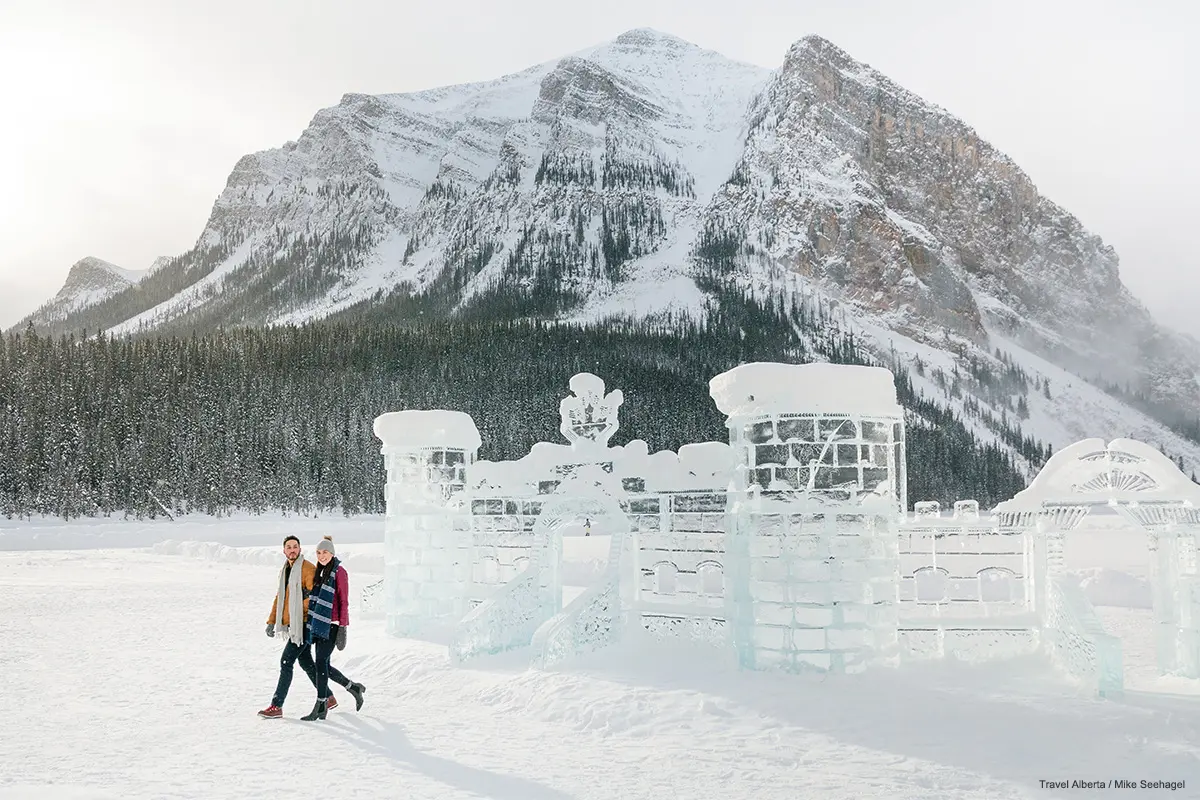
point(592, 620)
point(1077, 642)
point(527, 611)
point(505, 621)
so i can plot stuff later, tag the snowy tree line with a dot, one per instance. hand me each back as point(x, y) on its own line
point(258, 419)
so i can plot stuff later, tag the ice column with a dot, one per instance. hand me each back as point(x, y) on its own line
point(1175, 582)
point(812, 548)
point(428, 527)
point(1189, 601)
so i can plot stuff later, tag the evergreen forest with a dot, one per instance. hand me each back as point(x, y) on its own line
point(280, 418)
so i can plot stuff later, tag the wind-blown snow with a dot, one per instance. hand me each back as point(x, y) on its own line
point(1074, 411)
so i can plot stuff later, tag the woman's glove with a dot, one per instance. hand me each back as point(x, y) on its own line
point(341, 638)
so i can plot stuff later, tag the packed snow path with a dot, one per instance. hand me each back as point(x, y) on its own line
point(136, 675)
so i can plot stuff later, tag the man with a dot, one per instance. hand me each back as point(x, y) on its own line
point(289, 610)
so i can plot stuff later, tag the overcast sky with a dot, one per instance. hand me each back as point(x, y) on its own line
point(122, 118)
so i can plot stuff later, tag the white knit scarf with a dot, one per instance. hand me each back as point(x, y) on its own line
point(290, 588)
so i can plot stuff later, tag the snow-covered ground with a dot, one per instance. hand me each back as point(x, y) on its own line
point(136, 672)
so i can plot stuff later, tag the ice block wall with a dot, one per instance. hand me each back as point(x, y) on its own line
point(812, 546)
point(428, 525)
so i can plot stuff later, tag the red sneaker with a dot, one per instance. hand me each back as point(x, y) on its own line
point(271, 712)
point(331, 703)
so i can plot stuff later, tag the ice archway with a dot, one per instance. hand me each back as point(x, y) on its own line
point(1148, 489)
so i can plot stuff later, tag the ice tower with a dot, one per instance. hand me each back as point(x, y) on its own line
point(428, 527)
point(812, 552)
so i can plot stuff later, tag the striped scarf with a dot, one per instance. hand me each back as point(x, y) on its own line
point(320, 605)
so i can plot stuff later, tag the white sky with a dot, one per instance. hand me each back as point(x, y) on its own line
point(121, 119)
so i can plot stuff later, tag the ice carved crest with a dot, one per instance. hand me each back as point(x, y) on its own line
point(589, 419)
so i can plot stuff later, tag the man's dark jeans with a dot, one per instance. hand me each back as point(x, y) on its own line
point(292, 653)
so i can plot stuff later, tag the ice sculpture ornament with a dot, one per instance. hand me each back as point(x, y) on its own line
point(599, 615)
point(589, 419)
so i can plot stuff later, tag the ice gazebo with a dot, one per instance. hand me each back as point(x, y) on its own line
point(1140, 484)
point(789, 545)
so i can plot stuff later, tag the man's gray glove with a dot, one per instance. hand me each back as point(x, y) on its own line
point(341, 638)
point(270, 630)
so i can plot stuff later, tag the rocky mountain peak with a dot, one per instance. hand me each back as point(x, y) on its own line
point(652, 39)
point(585, 90)
point(963, 209)
point(90, 281)
point(815, 47)
point(91, 272)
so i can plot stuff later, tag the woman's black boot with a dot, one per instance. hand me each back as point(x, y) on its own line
point(356, 690)
point(318, 712)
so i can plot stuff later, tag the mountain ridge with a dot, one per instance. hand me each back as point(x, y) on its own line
point(630, 178)
point(89, 281)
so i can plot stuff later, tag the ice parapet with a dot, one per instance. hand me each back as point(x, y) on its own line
point(664, 513)
point(407, 430)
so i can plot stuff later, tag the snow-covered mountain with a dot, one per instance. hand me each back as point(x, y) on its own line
point(89, 281)
point(862, 187)
point(623, 180)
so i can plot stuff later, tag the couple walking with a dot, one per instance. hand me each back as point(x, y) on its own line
point(312, 609)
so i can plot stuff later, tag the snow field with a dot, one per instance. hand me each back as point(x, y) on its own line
point(267, 530)
point(137, 674)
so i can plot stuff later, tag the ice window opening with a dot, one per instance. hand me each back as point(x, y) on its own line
point(666, 578)
point(932, 584)
point(712, 579)
point(996, 585)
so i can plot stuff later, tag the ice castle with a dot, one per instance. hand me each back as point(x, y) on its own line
point(790, 544)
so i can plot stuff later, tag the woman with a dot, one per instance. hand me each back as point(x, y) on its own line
point(328, 617)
